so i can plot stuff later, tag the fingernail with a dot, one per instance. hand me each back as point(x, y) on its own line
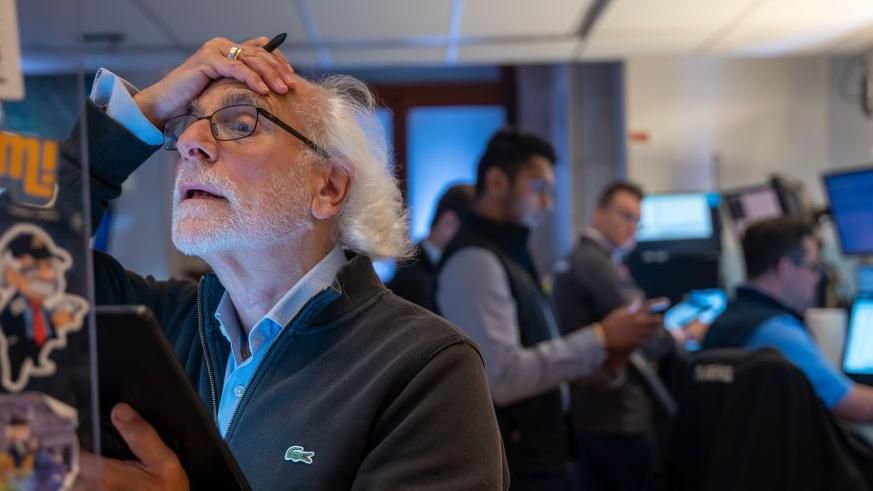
point(263, 87)
point(123, 413)
point(282, 86)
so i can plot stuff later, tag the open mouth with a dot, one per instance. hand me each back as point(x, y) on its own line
point(195, 192)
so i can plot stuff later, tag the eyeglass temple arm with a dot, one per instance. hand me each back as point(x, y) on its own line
point(309, 143)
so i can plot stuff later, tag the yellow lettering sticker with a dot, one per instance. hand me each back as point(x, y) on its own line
point(31, 163)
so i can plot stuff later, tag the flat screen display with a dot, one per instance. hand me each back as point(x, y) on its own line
point(752, 205)
point(851, 201)
point(858, 354)
point(667, 217)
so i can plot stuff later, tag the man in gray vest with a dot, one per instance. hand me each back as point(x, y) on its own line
point(487, 284)
point(610, 421)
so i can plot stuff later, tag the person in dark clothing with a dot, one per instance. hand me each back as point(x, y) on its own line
point(751, 421)
point(293, 344)
point(487, 285)
point(414, 280)
point(783, 269)
point(612, 422)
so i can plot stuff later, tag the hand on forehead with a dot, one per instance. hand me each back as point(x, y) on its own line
point(228, 91)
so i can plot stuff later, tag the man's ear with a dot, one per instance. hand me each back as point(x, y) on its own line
point(8, 277)
point(783, 265)
point(496, 182)
point(333, 182)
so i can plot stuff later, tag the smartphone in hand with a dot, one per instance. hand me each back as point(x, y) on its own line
point(658, 305)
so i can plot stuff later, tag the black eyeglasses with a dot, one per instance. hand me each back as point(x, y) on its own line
point(231, 123)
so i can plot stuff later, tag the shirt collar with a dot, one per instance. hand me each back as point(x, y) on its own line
point(318, 278)
point(615, 253)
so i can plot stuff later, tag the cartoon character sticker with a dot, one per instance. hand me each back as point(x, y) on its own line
point(36, 312)
point(39, 450)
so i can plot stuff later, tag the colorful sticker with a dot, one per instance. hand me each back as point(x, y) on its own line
point(38, 446)
point(36, 312)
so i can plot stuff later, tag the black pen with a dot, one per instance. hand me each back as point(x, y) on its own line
point(275, 42)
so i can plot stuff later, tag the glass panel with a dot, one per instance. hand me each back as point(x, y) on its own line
point(47, 371)
point(444, 147)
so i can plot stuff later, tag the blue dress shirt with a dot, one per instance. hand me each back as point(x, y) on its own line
point(789, 336)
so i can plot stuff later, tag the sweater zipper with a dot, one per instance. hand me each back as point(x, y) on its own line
point(245, 397)
point(206, 355)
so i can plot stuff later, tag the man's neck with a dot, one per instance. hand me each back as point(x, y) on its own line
point(256, 279)
point(490, 209)
point(772, 289)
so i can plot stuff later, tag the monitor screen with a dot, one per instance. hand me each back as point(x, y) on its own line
point(752, 205)
point(858, 355)
point(851, 201)
point(668, 217)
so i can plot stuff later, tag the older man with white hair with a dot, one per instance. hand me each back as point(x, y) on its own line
point(283, 186)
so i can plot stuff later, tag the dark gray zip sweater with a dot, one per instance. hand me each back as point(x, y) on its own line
point(387, 395)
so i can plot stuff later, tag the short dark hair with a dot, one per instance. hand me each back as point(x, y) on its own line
point(766, 242)
point(606, 196)
point(458, 198)
point(509, 150)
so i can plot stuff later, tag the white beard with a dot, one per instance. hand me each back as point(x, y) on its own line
point(277, 212)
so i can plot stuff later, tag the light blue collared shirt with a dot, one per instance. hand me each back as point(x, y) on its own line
point(788, 335)
point(240, 370)
point(115, 96)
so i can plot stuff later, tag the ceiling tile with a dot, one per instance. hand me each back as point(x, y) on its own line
point(531, 52)
point(196, 21)
point(388, 56)
point(646, 26)
point(521, 17)
point(779, 27)
point(344, 20)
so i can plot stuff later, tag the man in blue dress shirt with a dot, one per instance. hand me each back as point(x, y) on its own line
point(783, 268)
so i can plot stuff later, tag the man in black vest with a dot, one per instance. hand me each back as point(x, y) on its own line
point(414, 280)
point(783, 269)
point(487, 284)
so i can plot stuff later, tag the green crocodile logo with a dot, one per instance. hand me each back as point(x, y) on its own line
point(298, 454)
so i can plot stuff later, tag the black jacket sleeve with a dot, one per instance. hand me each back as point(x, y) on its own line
point(113, 153)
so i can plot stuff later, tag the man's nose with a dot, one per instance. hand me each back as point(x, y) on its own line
point(548, 201)
point(197, 142)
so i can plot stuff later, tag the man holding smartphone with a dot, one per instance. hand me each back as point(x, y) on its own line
point(610, 421)
point(487, 285)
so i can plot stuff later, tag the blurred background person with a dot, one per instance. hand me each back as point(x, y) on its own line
point(612, 422)
point(487, 284)
point(414, 279)
point(784, 268)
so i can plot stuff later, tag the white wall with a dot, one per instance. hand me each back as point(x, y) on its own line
point(718, 124)
point(727, 123)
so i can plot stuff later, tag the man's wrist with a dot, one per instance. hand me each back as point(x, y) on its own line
point(599, 333)
point(148, 109)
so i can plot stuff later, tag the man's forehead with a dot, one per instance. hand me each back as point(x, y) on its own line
point(538, 167)
point(226, 92)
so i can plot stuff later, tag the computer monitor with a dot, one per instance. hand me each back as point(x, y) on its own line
point(676, 217)
point(857, 352)
point(864, 279)
point(752, 204)
point(850, 194)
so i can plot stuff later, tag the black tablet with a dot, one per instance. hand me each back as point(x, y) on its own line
point(136, 365)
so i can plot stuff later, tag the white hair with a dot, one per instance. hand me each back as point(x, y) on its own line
point(343, 122)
